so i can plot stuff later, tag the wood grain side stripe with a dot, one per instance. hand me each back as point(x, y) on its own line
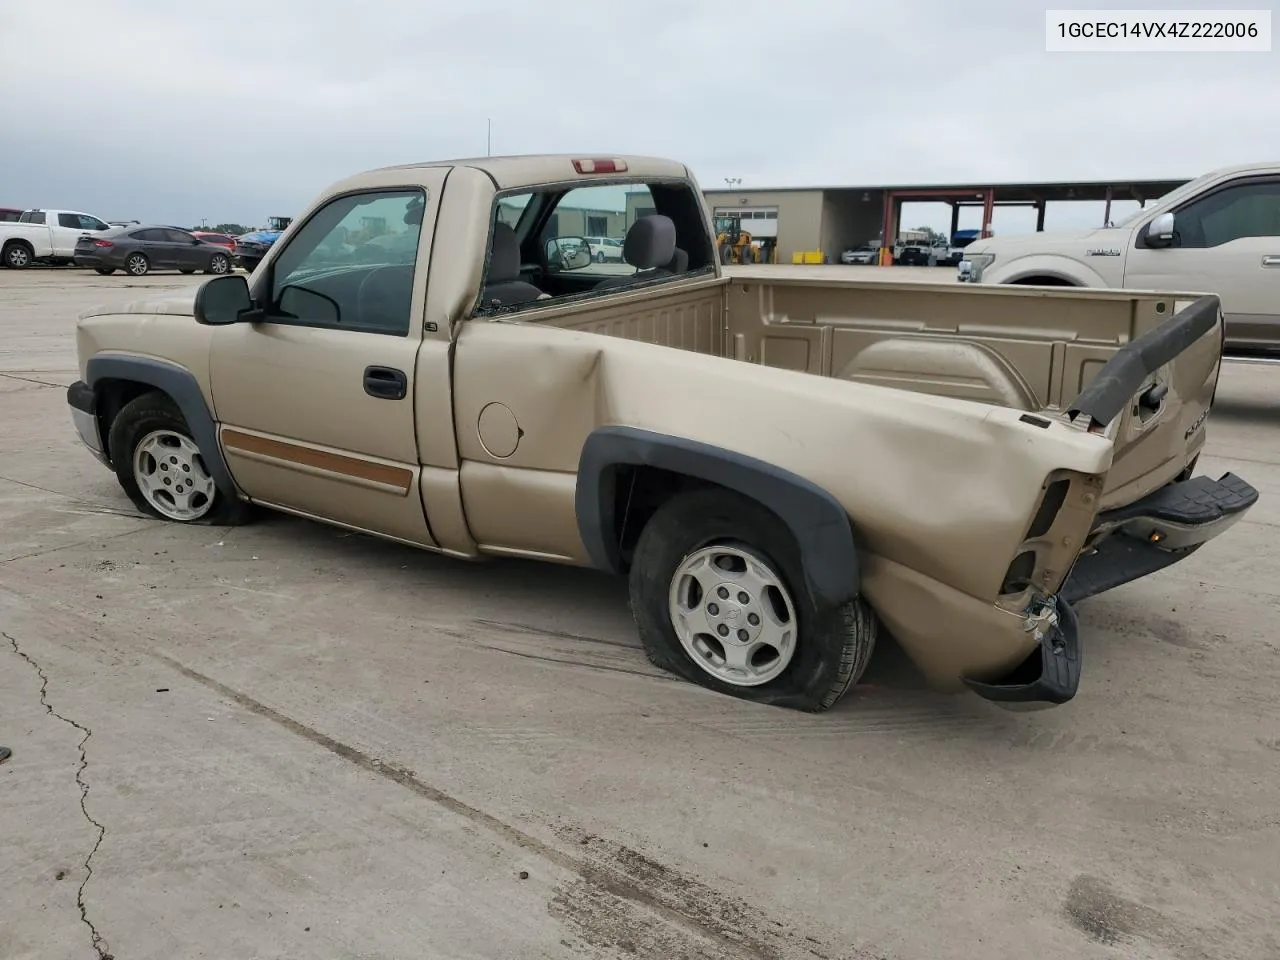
point(319, 459)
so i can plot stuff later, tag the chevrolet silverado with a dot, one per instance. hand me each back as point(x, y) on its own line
point(783, 465)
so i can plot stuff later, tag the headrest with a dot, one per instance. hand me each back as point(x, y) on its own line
point(680, 262)
point(650, 243)
point(504, 255)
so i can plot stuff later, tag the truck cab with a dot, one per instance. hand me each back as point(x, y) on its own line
point(1219, 234)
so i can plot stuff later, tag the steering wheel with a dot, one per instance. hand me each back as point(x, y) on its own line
point(375, 304)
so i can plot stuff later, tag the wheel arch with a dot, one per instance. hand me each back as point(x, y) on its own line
point(615, 459)
point(1041, 278)
point(17, 242)
point(116, 381)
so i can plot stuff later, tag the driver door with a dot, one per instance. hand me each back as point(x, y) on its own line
point(1226, 242)
point(315, 400)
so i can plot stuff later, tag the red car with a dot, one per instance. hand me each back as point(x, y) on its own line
point(220, 239)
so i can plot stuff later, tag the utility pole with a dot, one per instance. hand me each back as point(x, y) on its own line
point(488, 142)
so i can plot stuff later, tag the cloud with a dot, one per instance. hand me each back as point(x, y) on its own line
point(174, 113)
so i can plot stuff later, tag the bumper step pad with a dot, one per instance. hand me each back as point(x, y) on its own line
point(1120, 559)
point(1195, 501)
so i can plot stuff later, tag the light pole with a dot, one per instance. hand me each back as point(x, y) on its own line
point(732, 181)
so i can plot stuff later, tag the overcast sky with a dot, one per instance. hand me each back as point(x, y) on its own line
point(177, 112)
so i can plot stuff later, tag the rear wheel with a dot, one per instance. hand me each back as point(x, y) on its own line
point(161, 468)
point(137, 264)
point(718, 596)
point(17, 255)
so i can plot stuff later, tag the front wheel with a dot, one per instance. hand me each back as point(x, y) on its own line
point(137, 264)
point(161, 468)
point(718, 596)
point(219, 264)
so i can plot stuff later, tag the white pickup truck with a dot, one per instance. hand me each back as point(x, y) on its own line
point(1219, 233)
point(45, 236)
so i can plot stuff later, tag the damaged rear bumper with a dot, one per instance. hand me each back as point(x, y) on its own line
point(1159, 530)
point(1127, 544)
point(1051, 672)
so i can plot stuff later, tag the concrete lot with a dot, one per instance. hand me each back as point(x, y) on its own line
point(287, 741)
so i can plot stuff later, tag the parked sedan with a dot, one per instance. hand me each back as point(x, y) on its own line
point(865, 254)
point(139, 250)
point(218, 239)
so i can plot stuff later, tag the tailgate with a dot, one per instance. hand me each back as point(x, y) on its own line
point(1153, 397)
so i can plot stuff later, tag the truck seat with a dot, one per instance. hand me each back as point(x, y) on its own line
point(650, 247)
point(503, 283)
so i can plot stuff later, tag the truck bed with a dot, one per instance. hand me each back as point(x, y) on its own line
point(1028, 348)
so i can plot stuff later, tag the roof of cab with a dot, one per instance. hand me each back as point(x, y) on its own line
point(531, 169)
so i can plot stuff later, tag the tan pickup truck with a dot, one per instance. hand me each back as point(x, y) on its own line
point(782, 464)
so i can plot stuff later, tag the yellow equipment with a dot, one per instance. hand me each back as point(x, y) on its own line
point(732, 242)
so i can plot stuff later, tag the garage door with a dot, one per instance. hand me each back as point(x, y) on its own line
point(757, 221)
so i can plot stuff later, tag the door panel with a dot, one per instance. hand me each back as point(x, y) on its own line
point(1236, 271)
point(184, 252)
point(316, 409)
point(1226, 241)
point(300, 431)
point(155, 244)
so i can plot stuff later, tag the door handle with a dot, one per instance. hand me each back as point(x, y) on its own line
point(1271, 261)
point(385, 383)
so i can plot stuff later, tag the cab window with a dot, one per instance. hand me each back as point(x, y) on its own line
point(351, 265)
point(593, 240)
point(1239, 211)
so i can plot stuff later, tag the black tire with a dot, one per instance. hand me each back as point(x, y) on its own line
point(104, 271)
point(219, 264)
point(834, 643)
point(139, 417)
point(17, 255)
point(137, 265)
point(186, 269)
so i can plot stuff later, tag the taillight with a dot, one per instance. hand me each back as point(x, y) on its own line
point(103, 243)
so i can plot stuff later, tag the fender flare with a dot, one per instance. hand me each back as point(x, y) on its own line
point(182, 388)
point(820, 525)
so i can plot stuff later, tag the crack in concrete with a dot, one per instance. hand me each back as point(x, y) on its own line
point(99, 944)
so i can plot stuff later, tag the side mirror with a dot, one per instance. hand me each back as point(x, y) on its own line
point(223, 300)
point(568, 253)
point(1160, 231)
point(196, 241)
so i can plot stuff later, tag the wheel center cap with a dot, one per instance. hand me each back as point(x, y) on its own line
point(732, 613)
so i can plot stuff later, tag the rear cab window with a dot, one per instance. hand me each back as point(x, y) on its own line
point(583, 240)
